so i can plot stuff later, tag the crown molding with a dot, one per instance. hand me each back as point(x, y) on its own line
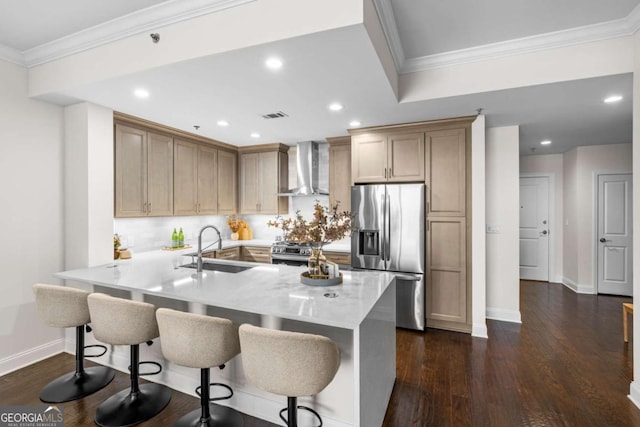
point(11, 55)
point(143, 20)
point(573, 36)
point(390, 30)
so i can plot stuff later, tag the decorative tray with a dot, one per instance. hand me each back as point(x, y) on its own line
point(307, 280)
point(167, 248)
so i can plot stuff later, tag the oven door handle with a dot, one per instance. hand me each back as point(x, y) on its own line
point(290, 258)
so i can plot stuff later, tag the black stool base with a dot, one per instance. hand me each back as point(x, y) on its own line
point(127, 409)
point(75, 386)
point(220, 416)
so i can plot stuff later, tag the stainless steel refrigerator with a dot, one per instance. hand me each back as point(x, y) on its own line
point(389, 221)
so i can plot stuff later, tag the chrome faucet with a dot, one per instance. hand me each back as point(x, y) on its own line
point(200, 244)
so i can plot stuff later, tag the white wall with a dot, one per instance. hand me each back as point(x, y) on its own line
point(581, 164)
point(88, 185)
point(550, 164)
point(478, 221)
point(503, 251)
point(31, 216)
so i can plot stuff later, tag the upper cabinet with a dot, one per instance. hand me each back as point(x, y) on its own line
point(205, 180)
point(143, 173)
point(340, 171)
point(264, 171)
point(171, 172)
point(445, 159)
point(387, 157)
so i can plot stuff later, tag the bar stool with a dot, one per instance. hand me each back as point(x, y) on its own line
point(63, 307)
point(198, 341)
point(120, 321)
point(289, 364)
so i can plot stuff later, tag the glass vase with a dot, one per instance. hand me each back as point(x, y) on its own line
point(317, 264)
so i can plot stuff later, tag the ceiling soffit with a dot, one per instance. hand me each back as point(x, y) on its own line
point(585, 34)
point(147, 19)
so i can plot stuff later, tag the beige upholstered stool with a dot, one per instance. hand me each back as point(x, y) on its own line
point(63, 307)
point(198, 341)
point(290, 364)
point(120, 321)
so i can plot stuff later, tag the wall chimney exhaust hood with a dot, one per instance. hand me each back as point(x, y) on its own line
point(307, 171)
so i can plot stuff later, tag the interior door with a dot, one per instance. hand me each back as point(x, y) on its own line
point(534, 228)
point(615, 219)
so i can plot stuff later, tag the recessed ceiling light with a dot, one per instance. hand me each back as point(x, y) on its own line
point(545, 142)
point(273, 63)
point(354, 123)
point(141, 93)
point(223, 123)
point(613, 98)
point(335, 107)
point(255, 135)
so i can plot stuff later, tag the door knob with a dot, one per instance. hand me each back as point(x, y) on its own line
point(544, 232)
point(603, 240)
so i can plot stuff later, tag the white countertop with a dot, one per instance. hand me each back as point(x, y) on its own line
point(265, 289)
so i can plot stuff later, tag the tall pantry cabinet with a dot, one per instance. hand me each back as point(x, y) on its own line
point(437, 153)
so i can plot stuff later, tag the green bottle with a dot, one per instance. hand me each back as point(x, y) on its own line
point(174, 239)
point(181, 239)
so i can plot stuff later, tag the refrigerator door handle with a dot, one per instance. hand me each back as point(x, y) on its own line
point(387, 232)
point(383, 237)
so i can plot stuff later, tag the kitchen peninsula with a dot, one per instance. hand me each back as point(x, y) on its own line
point(359, 315)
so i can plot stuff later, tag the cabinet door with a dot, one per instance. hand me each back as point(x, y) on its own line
point(446, 266)
point(340, 176)
point(207, 191)
point(445, 160)
point(227, 183)
point(268, 183)
point(405, 159)
point(185, 178)
point(249, 182)
point(159, 175)
point(256, 254)
point(130, 172)
point(369, 158)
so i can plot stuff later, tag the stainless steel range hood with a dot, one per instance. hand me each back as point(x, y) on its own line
point(307, 171)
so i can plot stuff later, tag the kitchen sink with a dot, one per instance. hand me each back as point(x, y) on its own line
point(225, 268)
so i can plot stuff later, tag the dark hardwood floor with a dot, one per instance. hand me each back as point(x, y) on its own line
point(566, 365)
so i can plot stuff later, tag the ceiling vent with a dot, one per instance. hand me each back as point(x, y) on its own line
point(277, 115)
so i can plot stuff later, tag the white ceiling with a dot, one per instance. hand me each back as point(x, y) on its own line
point(341, 65)
point(427, 27)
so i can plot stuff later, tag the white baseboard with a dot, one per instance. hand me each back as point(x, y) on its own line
point(577, 288)
point(479, 331)
point(557, 279)
point(28, 357)
point(634, 393)
point(504, 315)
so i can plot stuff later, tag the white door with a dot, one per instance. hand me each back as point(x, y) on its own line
point(615, 219)
point(534, 228)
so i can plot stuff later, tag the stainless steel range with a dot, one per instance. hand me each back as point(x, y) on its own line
point(290, 253)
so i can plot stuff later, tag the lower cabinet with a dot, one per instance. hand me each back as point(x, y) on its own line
point(447, 296)
point(256, 254)
point(228, 253)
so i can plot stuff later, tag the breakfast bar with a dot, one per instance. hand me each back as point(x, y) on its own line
point(359, 315)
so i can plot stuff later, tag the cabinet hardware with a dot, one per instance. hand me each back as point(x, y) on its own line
point(148, 207)
point(385, 173)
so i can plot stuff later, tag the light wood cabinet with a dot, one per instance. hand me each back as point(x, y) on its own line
point(446, 165)
point(205, 180)
point(256, 254)
point(227, 182)
point(228, 253)
point(340, 172)
point(264, 174)
point(341, 258)
point(143, 173)
point(387, 157)
point(446, 293)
